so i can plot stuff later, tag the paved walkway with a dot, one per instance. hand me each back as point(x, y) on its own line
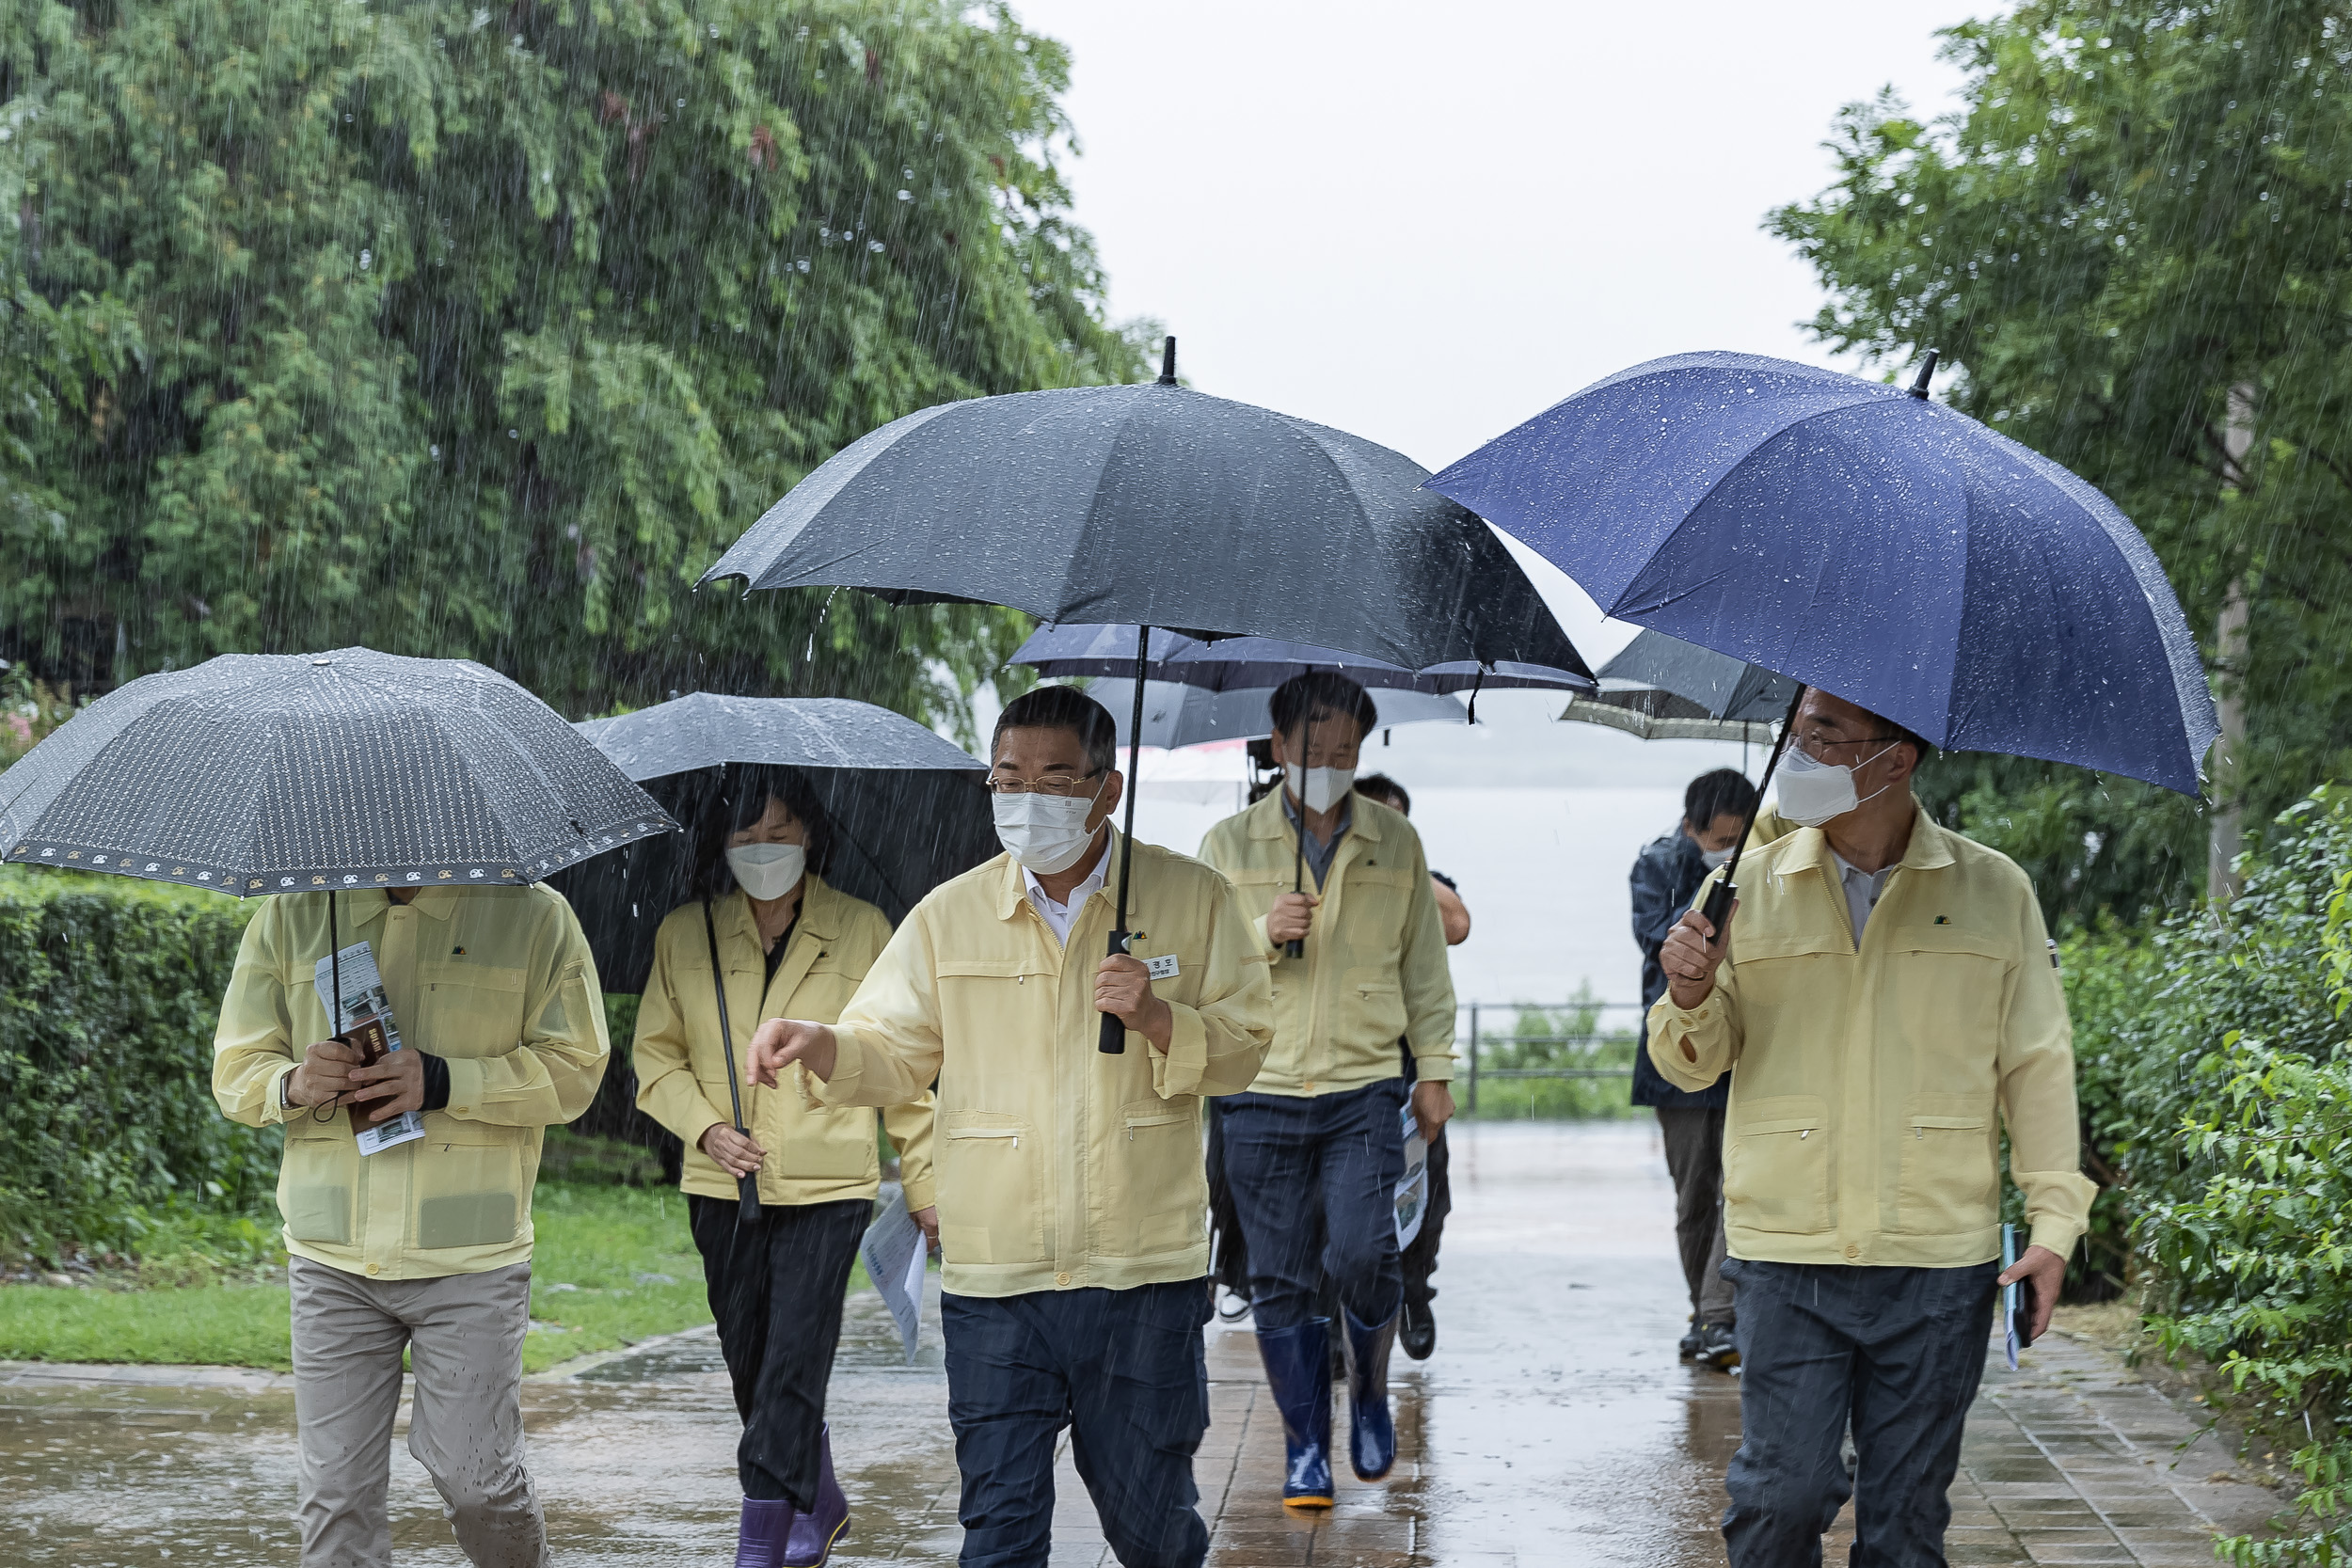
point(1555, 1426)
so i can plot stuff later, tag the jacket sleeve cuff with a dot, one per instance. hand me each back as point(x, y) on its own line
point(1179, 1068)
point(2057, 1206)
point(465, 1084)
point(921, 1196)
point(274, 1110)
point(848, 1073)
point(1435, 1068)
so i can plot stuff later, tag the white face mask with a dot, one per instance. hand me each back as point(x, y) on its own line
point(1324, 788)
point(1811, 793)
point(1045, 833)
point(766, 871)
point(1713, 858)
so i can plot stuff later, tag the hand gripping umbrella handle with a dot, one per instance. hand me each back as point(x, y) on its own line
point(746, 1186)
point(1717, 910)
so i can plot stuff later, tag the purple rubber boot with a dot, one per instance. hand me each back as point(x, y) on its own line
point(813, 1533)
point(764, 1539)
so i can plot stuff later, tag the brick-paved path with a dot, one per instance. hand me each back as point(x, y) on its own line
point(1555, 1426)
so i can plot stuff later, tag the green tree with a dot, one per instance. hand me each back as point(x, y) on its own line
point(480, 331)
point(2141, 209)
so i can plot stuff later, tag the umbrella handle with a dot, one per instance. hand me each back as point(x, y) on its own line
point(1717, 910)
point(1114, 1037)
point(1113, 1040)
point(746, 1186)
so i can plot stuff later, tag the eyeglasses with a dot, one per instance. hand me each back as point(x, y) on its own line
point(1814, 746)
point(1045, 784)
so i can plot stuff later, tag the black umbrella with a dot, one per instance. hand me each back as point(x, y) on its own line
point(877, 774)
point(907, 808)
point(1660, 687)
point(265, 773)
point(1157, 506)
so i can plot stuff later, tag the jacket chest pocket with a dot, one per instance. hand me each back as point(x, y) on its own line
point(991, 1196)
point(469, 1010)
point(1155, 1182)
point(468, 1182)
point(1776, 1165)
point(1003, 995)
point(1950, 1179)
point(1944, 982)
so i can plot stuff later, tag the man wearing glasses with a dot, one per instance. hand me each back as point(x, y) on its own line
point(1886, 999)
point(1072, 1196)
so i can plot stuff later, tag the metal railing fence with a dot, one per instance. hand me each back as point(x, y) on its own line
point(1472, 1042)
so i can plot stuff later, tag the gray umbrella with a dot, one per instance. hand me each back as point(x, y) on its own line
point(1157, 506)
point(1176, 714)
point(906, 807)
point(1660, 687)
point(264, 773)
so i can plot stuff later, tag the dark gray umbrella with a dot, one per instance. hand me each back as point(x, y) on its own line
point(1156, 506)
point(1176, 713)
point(1660, 688)
point(906, 807)
point(264, 773)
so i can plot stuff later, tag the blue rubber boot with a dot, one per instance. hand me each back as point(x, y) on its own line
point(1371, 1434)
point(1299, 1370)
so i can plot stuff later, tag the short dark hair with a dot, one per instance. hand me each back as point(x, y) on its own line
point(1063, 708)
point(1385, 791)
point(741, 801)
point(1322, 692)
point(1712, 795)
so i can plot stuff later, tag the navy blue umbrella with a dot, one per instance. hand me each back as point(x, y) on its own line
point(1862, 539)
point(1087, 650)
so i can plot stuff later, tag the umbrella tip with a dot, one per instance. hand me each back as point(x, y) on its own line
point(1168, 361)
point(1927, 369)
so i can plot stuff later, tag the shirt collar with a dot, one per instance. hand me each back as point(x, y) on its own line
point(1341, 830)
point(1078, 895)
point(1018, 880)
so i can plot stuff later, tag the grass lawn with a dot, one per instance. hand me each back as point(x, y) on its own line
point(614, 1265)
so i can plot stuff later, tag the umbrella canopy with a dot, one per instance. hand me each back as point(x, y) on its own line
point(1263, 662)
point(1866, 541)
point(1176, 714)
point(906, 807)
point(263, 773)
point(1660, 688)
point(1159, 505)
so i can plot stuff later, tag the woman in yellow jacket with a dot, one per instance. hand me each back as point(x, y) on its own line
point(789, 947)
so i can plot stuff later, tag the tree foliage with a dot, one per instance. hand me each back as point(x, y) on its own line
point(479, 330)
point(2140, 208)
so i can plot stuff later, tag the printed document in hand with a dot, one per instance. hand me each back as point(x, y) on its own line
point(894, 1252)
point(364, 998)
point(1413, 1193)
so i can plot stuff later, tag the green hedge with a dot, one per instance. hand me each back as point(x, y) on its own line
point(108, 991)
point(2214, 1064)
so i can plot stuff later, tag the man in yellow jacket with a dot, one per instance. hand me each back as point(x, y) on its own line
point(423, 1247)
point(1313, 1152)
point(1886, 999)
point(1072, 1197)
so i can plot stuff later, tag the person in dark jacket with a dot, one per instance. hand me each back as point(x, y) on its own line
point(1716, 811)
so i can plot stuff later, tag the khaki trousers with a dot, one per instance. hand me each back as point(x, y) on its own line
point(464, 1334)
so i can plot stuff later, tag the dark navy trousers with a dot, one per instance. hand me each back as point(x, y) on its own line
point(1314, 1180)
point(1123, 1369)
point(1892, 1352)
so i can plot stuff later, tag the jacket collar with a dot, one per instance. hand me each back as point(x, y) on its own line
point(362, 905)
point(1267, 820)
point(1930, 848)
point(820, 917)
point(1012, 890)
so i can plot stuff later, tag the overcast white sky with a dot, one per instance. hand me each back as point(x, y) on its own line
point(1425, 223)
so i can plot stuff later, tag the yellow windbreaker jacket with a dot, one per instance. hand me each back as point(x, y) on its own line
point(496, 981)
point(1373, 971)
point(1869, 1087)
point(1059, 1167)
point(814, 1155)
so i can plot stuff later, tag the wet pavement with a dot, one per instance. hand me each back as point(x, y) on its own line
point(1554, 1425)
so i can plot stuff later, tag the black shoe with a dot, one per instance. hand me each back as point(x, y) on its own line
point(1418, 1334)
point(1694, 1341)
point(1717, 1348)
